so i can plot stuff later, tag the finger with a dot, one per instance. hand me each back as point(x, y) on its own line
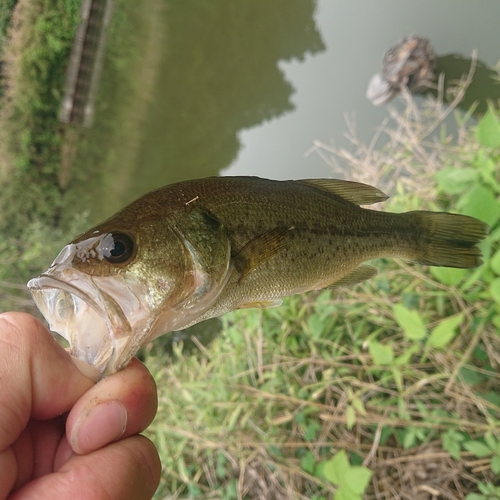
point(38, 378)
point(127, 470)
point(118, 406)
point(35, 449)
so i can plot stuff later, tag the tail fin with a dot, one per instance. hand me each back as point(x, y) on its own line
point(450, 239)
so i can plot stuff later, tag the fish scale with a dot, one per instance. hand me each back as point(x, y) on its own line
point(198, 249)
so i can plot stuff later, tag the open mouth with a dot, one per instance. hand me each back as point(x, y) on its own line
point(74, 315)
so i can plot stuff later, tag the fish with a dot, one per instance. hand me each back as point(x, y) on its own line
point(198, 249)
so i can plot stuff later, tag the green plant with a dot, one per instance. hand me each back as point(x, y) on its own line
point(6, 8)
point(38, 53)
point(350, 480)
point(487, 492)
point(398, 374)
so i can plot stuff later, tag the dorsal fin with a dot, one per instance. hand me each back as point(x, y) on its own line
point(355, 192)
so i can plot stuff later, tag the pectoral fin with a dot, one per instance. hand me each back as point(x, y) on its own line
point(260, 250)
point(359, 274)
point(355, 192)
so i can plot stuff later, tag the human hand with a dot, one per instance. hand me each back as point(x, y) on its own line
point(62, 435)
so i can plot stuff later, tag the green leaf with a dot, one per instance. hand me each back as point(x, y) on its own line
point(452, 447)
point(454, 180)
point(489, 489)
point(471, 376)
point(233, 418)
point(410, 321)
point(494, 235)
point(473, 277)
point(447, 275)
point(479, 449)
point(316, 325)
point(405, 358)
point(183, 473)
point(350, 417)
point(480, 202)
point(380, 353)
point(491, 442)
point(495, 263)
point(451, 442)
point(308, 462)
point(345, 493)
point(220, 471)
point(359, 407)
point(495, 464)
point(485, 165)
point(443, 333)
point(357, 478)
point(335, 469)
point(398, 378)
point(495, 289)
point(311, 430)
point(488, 129)
point(409, 439)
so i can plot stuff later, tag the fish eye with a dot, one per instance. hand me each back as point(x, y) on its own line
point(122, 250)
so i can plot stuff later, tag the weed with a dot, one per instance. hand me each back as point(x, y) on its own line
point(387, 390)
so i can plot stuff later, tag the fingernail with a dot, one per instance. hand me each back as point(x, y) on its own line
point(103, 424)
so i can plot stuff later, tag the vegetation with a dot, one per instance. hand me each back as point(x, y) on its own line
point(36, 149)
point(6, 9)
point(34, 62)
point(387, 390)
point(40, 192)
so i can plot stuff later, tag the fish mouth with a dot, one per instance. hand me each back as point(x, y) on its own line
point(107, 317)
point(92, 322)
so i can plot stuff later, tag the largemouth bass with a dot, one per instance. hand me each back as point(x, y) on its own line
point(198, 249)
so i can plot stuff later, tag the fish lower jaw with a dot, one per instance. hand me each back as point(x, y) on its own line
point(73, 315)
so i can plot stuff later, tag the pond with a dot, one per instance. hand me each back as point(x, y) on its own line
point(245, 88)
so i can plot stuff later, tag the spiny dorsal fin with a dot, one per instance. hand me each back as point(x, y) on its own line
point(357, 275)
point(355, 192)
point(260, 250)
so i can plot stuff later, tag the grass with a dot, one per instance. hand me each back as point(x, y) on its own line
point(101, 165)
point(6, 8)
point(35, 58)
point(387, 390)
point(261, 413)
point(53, 159)
point(52, 175)
point(35, 55)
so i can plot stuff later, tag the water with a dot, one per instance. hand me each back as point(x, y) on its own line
point(245, 87)
point(331, 86)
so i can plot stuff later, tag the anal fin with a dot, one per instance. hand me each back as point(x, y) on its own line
point(357, 275)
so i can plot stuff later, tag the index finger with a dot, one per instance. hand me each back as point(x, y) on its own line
point(39, 380)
